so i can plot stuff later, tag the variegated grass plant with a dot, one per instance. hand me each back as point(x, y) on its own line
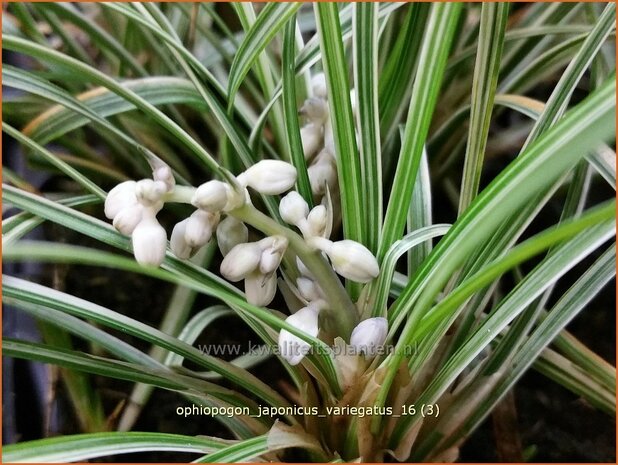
point(306, 145)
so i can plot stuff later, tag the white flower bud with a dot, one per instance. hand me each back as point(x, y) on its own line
point(230, 233)
point(273, 248)
point(128, 218)
point(349, 258)
point(121, 196)
point(178, 243)
point(322, 173)
point(311, 137)
point(315, 110)
point(293, 208)
point(293, 348)
point(316, 220)
point(269, 177)
point(240, 261)
point(318, 85)
point(369, 335)
point(354, 261)
point(149, 192)
point(149, 241)
point(164, 173)
point(211, 196)
point(260, 289)
point(308, 289)
point(199, 228)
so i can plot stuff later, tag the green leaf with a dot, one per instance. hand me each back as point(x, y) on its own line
point(85, 330)
point(99, 36)
point(541, 165)
point(265, 67)
point(365, 46)
point(82, 180)
point(96, 104)
point(588, 239)
point(342, 120)
point(397, 76)
point(420, 215)
point(486, 69)
point(82, 447)
point(268, 23)
point(122, 370)
point(559, 99)
point(16, 226)
point(435, 46)
point(580, 131)
point(378, 290)
point(278, 438)
point(310, 55)
point(538, 69)
point(569, 305)
point(86, 72)
point(290, 110)
point(40, 295)
point(603, 158)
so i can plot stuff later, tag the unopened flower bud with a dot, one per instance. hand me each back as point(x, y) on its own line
point(128, 218)
point(311, 138)
point(149, 241)
point(291, 347)
point(316, 220)
point(230, 233)
point(240, 261)
point(369, 335)
point(178, 243)
point(121, 196)
point(354, 261)
point(322, 173)
point(199, 228)
point(315, 109)
point(211, 196)
point(149, 192)
point(318, 85)
point(293, 208)
point(349, 258)
point(260, 289)
point(308, 289)
point(269, 177)
point(273, 248)
point(164, 173)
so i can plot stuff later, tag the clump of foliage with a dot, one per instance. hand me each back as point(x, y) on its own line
point(308, 149)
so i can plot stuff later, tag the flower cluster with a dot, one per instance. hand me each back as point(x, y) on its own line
point(256, 263)
point(348, 258)
point(133, 207)
point(317, 139)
